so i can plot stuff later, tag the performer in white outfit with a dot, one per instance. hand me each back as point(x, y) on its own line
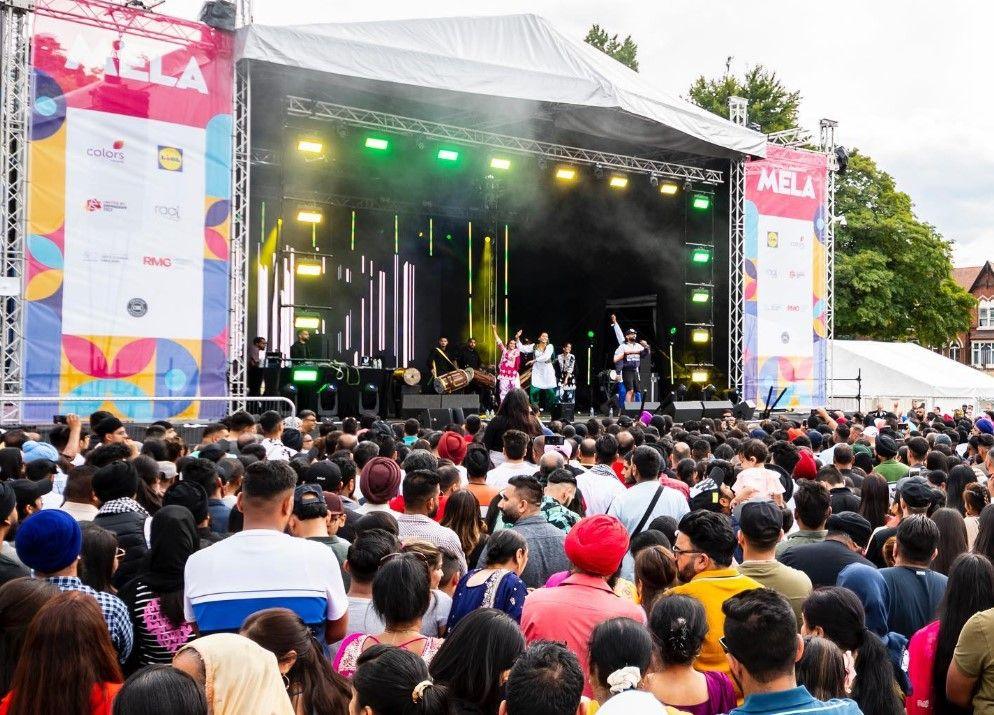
point(567, 380)
point(543, 387)
point(509, 367)
point(627, 358)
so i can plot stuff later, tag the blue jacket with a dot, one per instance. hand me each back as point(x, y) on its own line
point(798, 700)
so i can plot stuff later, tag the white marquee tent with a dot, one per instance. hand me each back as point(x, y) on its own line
point(904, 372)
point(474, 61)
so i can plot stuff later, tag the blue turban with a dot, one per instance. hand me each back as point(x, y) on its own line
point(49, 541)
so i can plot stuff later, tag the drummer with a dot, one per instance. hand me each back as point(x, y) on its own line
point(439, 361)
point(469, 357)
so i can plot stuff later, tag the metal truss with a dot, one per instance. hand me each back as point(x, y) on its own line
point(15, 79)
point(738, 112)
point(131, 20)
point(794, 137)
point(397, 206)
point(238, 276)
point(828, 145)
point(316, 109)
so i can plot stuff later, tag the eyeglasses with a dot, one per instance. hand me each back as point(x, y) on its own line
point(724, 647)
point(677, 551)
point(119, 553)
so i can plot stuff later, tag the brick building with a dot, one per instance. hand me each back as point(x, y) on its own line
point(976, 347)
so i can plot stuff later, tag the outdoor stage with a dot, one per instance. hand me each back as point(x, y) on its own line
point(385, 184)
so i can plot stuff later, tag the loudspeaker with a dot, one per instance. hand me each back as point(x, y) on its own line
point(744, 410)
point(470, 404)
point(219, 14)
point(716, 408)
point(684, 411)
point(439, 418)
point(420, 402)
point(634, 409)
point(564, 411)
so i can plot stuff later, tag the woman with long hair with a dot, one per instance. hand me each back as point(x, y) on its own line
point(11, 464)
point(474, 659)
point(822, 669)
point(394, 681)
point(72, 668)
point(155, 596)
point(655, 573)
point(462, 515)
point(678, 625)
point(149, 494)
point(975, 498)
point(160, 690)
point(620, 653)
point(952, 538)
point(401, 595)
point(100, 557)
point(509, 366)
point(837, 614)
point(20, 600)
point(436, 618)
point(498, 584)
point(874, 500)
point(970, 589)
point(238, 675)
point(959, 477)
point(514, 413)
point(985, 533)
point(313, 685)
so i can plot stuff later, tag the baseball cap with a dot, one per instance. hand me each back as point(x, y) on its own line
point(761, 520)
point(308, 502)
point(334, 504)
point(916, 492)
point(852, 525)
point(27, 490)
point(325, 474)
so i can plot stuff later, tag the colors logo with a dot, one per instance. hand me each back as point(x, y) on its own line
point(115, 154)
point(170, 158)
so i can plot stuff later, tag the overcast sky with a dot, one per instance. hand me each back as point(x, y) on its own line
point(909, 82)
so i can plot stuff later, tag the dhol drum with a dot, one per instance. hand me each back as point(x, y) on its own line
point(485, 379)
point(526, 379)
point(452, 381)
point(408, 375)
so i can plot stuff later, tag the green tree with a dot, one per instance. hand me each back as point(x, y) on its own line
point(892, 271)
point(625, 51)
point(771, 105)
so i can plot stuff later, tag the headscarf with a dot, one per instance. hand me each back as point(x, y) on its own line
point(174, 537)
point(242, 676)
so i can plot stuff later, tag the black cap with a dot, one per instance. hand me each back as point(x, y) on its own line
point(26, 490)
point(325, 474)
point(761, 520)
point(886, 446)
point(308, 502)
point(852, 525)
point(916, 493)
point(8, 499)
point(705, 495)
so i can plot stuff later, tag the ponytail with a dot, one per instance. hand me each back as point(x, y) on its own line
point(395, 681)
point(874, 688)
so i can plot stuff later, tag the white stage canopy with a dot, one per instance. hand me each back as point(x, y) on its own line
point(904, 372)
point(510, 57)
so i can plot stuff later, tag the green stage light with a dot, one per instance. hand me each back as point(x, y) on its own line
point(673, 330)
point(498, 163)
point(448, 155)
point(305, 374)
point(448, 237)
point(700, 255)
point(701, 202)
point(590, 334)
point(377, 143)
point(700, 295)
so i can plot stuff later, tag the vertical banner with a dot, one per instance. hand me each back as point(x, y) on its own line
point(126, 287)
point(785, 271)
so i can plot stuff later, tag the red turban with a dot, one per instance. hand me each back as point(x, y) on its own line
point(597, 544)
point(806, 467)
point(452, 446)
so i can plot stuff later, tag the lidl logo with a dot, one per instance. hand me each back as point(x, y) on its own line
point(772, 239)
point(170, 158)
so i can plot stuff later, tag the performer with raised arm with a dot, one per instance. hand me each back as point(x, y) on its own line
point(628, 357)
point(543, 387)
point(509, 367)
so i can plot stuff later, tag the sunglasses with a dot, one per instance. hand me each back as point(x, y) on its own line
point(724, 647)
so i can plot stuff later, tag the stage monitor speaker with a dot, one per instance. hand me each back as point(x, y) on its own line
point(420, 402)
point(439, 418)
point(635, 409)
point(469, 404)
point(219, 14)
point(564, 411)
point(745, 410)
point(687, 410)
point(716, 408)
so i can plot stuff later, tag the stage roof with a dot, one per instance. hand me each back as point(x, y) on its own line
point(517, 57)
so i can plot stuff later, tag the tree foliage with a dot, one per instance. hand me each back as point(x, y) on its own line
point(625, 51)
point(771, 105)
point(892, 271)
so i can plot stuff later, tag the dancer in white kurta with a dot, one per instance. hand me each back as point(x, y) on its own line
point(543, 387)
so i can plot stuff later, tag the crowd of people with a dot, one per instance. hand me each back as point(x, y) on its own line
point(840, 563)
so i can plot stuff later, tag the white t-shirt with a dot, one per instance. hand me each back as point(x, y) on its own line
point(498, 477)
point(258, 569)
point(631, 701)
point(599, 486)
point(276, 451)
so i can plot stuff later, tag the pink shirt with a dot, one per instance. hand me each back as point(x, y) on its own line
point(569, 613)
point(921, 658)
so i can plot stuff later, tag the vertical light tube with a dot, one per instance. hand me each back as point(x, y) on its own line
point(396, 234)
point(383, 305)
point(372, 324)
point(362, 326)
point(431, 237)
point(352, 238)
point(403, 351)
point(395, 348)
point(469, 270)
point(506, 283)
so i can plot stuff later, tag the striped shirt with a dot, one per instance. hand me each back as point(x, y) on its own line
point(156, 638)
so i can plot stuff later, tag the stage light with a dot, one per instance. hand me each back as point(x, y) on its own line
point(486, 239)
point(618, 182)
point(309, 268)
point(653, 180)
point(309, 146)
point(673, 330)
point(498, 163)
point(305, 374)
point(700, 255)
point(701, 202)
point(309, 216)
point(306, 322)
point(699, 376)
point(565, 173)
point(590, 334)
point(377, 143)
point(700, 335)
point(448, 155)
point(700, 295)
point(668, 188)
